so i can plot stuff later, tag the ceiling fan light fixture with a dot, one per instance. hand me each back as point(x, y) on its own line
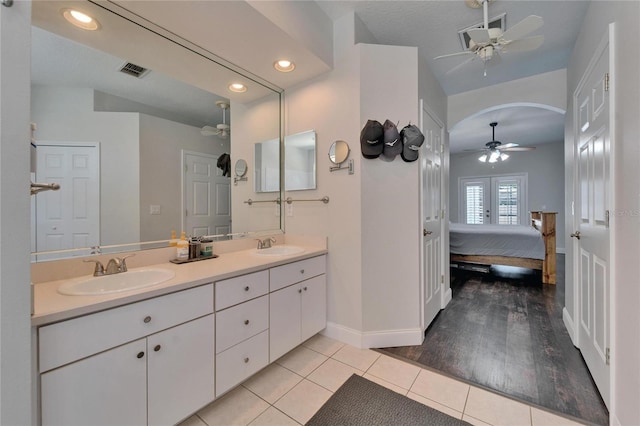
point(483, 158)
point(503, 156)
point(494, 156)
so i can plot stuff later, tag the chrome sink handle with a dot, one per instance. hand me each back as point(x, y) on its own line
point(99, 270)
point(259, 244)
point(123, 264)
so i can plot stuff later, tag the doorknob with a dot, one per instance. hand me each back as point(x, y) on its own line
point(425, 232)
point(576, 235)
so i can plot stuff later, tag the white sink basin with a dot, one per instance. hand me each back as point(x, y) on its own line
point(125, 281)
point(279, 251)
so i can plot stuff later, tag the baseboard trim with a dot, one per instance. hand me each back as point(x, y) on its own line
point(561, 250)
point(373, 339)
point(447, 295)
point(568, 323)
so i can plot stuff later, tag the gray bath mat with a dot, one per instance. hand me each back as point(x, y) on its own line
point(361, 402)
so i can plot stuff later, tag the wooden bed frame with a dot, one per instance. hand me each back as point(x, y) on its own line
point(545, 222)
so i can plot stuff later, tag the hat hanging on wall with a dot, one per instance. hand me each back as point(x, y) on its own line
point(412, 140)
point(372, 139)
point(392, 142)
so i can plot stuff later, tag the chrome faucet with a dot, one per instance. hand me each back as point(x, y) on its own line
point(266, 243)
point(114, 266)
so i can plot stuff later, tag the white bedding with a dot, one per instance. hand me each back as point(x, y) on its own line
point(496, 240)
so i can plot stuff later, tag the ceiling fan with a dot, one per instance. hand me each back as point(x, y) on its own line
point(494, 151)
point(489, 43)
point(221, 129)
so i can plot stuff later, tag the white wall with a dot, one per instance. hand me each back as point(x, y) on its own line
point(625, 292)
point(16, 356)
point(544, 167)
point(66, 115)
point(161, 143)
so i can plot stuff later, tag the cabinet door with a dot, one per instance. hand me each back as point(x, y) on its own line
point(314, 306)
point(109, 388)
point(180, 371)
point(284, 321)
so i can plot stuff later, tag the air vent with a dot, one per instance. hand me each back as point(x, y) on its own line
point(133, 70)
point(497, 22)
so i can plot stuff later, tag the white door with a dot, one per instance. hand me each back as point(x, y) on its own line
point(592, 235)
point(284, 321)
point(431, 191)
point(180, 371)
point(69, 217)
point(207, 196)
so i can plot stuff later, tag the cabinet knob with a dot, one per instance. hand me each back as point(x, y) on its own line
point(302, 271)
point(246, 322)
point(305, 289)
point(299, 290)
point(157, 348)
point(246, 288)
point(140, 354)
point(147, 319)
point(246, 360)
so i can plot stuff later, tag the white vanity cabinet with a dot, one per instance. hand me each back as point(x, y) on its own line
point(93, 373)
point(298, 306)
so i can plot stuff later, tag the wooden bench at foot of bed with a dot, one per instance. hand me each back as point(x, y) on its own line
point(545, 222)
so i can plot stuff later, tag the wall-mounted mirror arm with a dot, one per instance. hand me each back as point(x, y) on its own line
point(338, 154)
point(349, 167)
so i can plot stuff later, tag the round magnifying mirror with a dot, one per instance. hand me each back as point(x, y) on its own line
point(241, 168)
point(339, 152)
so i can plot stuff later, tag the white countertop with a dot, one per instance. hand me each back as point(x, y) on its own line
point(51, 306)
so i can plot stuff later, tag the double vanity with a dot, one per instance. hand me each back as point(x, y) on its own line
point(157, 354)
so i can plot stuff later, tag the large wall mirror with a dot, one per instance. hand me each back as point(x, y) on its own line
point(299, 163)
point(128, 146)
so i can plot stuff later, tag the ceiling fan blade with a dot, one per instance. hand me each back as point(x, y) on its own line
point(476, 150)
point(466, 52)
point(519, 148)
point(522, 28)
point(508, 145)
point(461, 64)
point(209, 131)
point(523, 45)
point(479, 36)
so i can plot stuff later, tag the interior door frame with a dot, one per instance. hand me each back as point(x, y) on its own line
point(572, 324)
point(183, 195)
point(445, 287)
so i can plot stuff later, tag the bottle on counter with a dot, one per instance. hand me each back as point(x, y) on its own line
point(173, 242)
point(182, 247)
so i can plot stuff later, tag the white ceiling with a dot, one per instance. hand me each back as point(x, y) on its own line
point(433, 27)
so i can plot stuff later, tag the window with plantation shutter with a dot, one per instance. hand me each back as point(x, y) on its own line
point(493, 199)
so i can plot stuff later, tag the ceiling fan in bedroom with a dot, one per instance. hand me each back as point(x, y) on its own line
point(494, 151)
point(489, 43)
point(221, 129)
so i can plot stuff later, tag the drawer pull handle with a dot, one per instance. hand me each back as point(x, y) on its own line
point(302, 271)
point(246, 288)
point(140, 355)
point(305, 289)
point(246, 360)
point(147, 319)
point(157, 348)
point(246, 322)
point(299, 290)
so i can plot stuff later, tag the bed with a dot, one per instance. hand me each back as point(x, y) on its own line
point(532, 247)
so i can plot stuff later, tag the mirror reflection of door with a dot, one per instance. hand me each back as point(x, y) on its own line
point(207, 196)
point(69, 217)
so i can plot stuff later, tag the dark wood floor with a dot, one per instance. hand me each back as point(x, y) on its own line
point(504, 331)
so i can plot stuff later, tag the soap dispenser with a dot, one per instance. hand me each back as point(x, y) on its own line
point(173, 242)
point(182, 248)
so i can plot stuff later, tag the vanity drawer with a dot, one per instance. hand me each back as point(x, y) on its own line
point(240, 289)
point(282, 276)
point(241, 361)
point(241, 322)
point(70, 340)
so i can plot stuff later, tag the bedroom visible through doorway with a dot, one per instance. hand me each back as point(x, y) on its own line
point(500, 200)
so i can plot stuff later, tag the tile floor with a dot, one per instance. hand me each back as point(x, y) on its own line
point(291, 390)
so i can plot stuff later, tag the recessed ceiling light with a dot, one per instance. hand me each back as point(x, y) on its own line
point(284, 65)
point(237, 87)
point(80, 19)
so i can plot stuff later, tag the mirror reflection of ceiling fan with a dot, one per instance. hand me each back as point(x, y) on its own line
point(221, 129)
point(494, 151)
point(489, 43)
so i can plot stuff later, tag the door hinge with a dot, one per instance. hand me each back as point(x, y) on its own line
point(441, 148)
point(186, 212)
point(606, 82)
point(606, 218)
point(607, 356)
point(186, 168)
point(441, 279)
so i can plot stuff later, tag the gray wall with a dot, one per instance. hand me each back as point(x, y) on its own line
point(545, 169)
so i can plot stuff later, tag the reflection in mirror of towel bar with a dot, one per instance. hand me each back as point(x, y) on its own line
point(250, 201)
point(39, 187)
point(324, 199)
